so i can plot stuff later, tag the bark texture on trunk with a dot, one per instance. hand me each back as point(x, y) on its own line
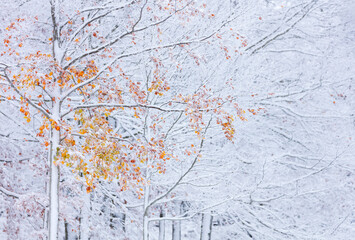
point(162, 226)
point(54, 188)
point(66, 235)
point(176, 230)
point(177, 224)
point(206, 226)
point(84, 223)
point(145, 216)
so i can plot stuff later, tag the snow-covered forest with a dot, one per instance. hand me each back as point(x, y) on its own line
point(177, 119)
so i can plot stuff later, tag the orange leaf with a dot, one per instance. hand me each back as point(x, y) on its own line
point(162, 154)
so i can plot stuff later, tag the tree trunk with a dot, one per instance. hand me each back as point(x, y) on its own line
point(66, 234)
point(122, 219)
point(55, 136)
point(123, 222)
point(54, 174)
point(54, 202)
point(176, 230)
point(54, 188)
point(206, 226)
point(84, 224)
point(145, 216)
point(162, 225)
point(145, 228)
point(177, 224)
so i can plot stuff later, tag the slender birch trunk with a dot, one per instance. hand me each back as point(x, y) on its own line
point(55, 134)
point(145, 216)
point(206, 226)
point(177, 224)
point(54, 178)
point(123, 222)
point(66, 230)
point(162, 225)
point(84, 234)
point(176, 230)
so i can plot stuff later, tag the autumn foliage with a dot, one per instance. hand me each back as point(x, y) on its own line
point(94, 90)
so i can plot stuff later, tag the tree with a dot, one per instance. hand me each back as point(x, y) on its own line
point(81, 75)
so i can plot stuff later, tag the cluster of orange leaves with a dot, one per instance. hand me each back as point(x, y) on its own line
point(159, 85)
point(203, 102)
